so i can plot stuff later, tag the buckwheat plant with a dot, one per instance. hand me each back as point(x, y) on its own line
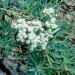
point(35, 33)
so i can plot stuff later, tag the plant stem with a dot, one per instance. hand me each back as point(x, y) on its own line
point(58, 73)
point(15, 13)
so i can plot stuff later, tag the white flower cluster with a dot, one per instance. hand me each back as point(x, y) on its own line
point(48, 11)
point(34, 32)
point(51, 14)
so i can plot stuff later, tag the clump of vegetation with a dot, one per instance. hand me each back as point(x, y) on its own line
point(37, 37)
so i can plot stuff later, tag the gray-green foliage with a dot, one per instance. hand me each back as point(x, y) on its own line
point(57, 59)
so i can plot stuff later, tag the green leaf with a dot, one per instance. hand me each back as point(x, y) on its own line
point(65, 1)
point(5, 3)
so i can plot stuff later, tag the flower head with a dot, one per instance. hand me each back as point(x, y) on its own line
point(36, 33)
